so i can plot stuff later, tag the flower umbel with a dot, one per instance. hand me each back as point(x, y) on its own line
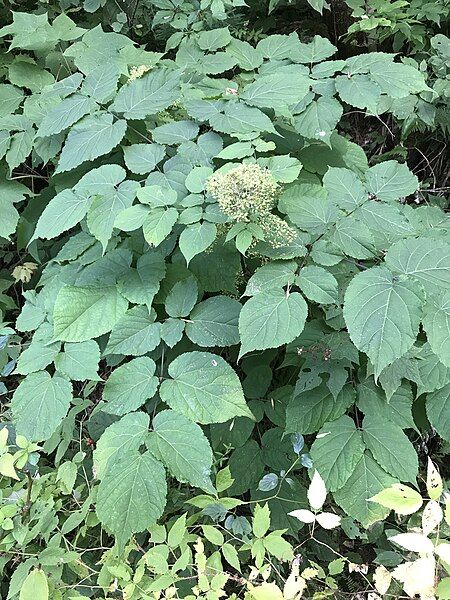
point(248, 193)
point(245, 193)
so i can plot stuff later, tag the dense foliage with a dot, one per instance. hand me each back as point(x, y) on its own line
point(225, 300)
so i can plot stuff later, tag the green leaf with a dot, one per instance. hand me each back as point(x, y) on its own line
point(400, 498)
point(278, 47)
point(426, 260)
point(308, 411)
point(315, 51)
point(318, 120)
point(183, 448)
point(382, 315)
point(79, 361)
point(19, 148)
point(182, 298)
point(241, 120)
point(270, 319)
point(336, 451)
point(438, 411)
point(366, 480)
point(175, 132)
point(135, 333)
point(83, 313)
point(46, 398)
point(65, 114)
point(10, 98)
point(277, 90)
point(308, 207)
point(132, 495)
point(397, 409)
point(261, 520)
point(396, 79)
point(141, 284)
point(359, 91)
point(283, 168)
point(158, 224)
point(143, 158)
point(119, 440)
point(39, 353)
point(63, 212)
point(35, 586)
point(204, 388)
point(130, 385)
point(148, 95)
point(391, 448)
point(318, 285)
point(105, 208)
point(196, 238)
point(101, 83)
point(345, 188)
point(436, 322)
point(248, 58)
point(272, 275)
point(214, 322)
point(391, 180)
point(93, 136)
point(214, 39)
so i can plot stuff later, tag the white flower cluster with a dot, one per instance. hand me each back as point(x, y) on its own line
point(249, 193)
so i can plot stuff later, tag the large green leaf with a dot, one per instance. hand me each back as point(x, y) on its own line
point(277, 90)
point(63, 212)
point(93, 136)
point(130, 385)
point(118, 440)
point(309, 207)
point(396, 79)
point(135, 333)
point(391, 180)
point(270, 319)
point(391, 448)
point(79, 361)
point(147, 95)
point(308, 411)
point(83, 313)
point(204, 388)
point(65, 114)
point(132, 495)
point(318, 285)
point(383, 315)
point(436, 323)
point(39, 404)
point(319, 119)
point(214, 322)
point(336, 451)
point(240, 120)
point(438, 411)
point(366, 480)
point(183, 447)
point(426, 260)
point(345, 188)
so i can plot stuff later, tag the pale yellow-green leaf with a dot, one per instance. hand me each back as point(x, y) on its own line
point(414, 542)
point(7, 466)
point(434, 481)
point(328, 520)
point(317, 492)
point(382, 579)
point(401, 498)
point(431, 517)
point(35, 586)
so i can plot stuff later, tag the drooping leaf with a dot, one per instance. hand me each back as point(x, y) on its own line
point(46, 398)
point(183, 448)
point(382, 314)
point(204, 388)
point(83, 313)
point(119, 440)
point(270, 319)
point(130, 385)
point(132, 495)
point(336, 451)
